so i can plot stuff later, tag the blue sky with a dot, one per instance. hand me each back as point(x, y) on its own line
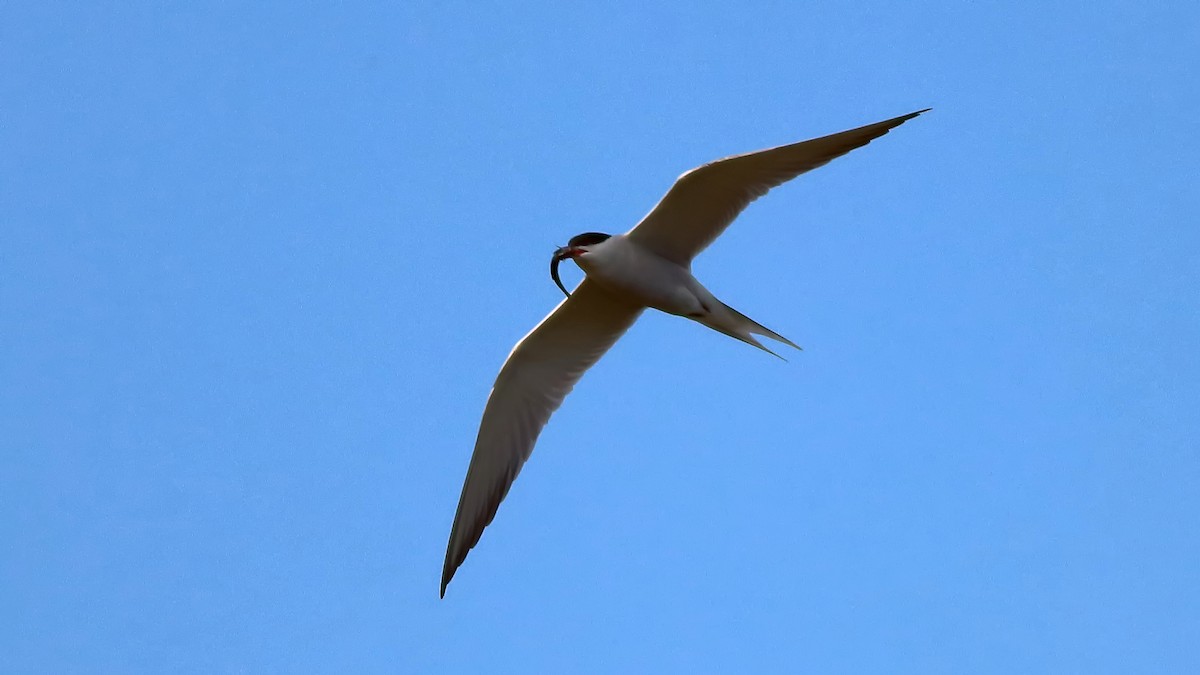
point(259, 265)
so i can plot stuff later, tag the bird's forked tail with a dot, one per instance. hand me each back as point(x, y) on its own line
point(741, 327)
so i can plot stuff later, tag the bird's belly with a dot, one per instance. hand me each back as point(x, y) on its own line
point(652, 282)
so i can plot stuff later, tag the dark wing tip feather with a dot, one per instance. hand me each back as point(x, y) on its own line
point(887, 125)
point(456, 555)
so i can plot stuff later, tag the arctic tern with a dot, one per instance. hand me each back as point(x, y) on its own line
point(649, 266)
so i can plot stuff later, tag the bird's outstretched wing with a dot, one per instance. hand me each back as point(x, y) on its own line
point(705, 200)
point(539, 373)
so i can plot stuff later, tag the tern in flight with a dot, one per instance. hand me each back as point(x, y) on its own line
point(648, 266)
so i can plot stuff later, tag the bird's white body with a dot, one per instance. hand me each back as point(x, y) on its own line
point(628, 270)
point(649, 266)
point(624, 267)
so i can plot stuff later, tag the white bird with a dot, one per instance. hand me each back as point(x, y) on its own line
point(649, 266)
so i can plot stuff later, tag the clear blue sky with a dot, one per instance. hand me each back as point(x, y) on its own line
point(260, 264)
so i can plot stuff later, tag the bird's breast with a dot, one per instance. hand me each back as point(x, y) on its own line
point(627, 269)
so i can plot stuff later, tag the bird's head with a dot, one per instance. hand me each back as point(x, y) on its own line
point(580, 245)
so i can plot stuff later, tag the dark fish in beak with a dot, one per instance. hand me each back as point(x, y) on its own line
point(563, 253)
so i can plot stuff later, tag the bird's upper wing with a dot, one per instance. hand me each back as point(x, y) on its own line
point(705, 200)
point(539, 373)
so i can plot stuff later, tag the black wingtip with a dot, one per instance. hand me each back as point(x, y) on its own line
point(904, 118)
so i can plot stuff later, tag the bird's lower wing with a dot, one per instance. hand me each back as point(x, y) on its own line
point(538, 374)
point(704, 201)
